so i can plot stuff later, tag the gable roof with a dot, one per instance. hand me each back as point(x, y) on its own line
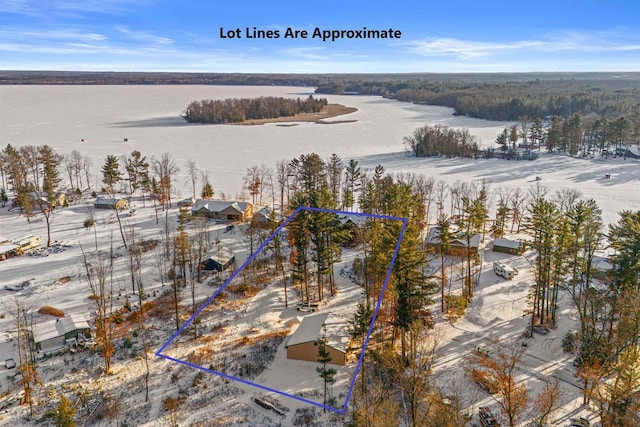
point(217, 206)
point(309, 329)
point(222, 255)
point(59, 327)
point(505, 243)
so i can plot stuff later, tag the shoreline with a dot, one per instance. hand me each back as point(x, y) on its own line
point(330, 111)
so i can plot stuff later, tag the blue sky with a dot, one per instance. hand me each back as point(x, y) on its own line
point(437, 36)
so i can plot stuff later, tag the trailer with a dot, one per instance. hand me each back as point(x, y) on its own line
point(504, 270)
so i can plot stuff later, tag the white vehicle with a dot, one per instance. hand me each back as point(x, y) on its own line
point(504, 270)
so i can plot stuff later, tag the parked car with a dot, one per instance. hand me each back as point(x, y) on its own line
point(9, 364)
point(308, 306)
point(20, 286)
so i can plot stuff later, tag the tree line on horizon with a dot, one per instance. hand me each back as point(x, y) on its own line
point(507, 100)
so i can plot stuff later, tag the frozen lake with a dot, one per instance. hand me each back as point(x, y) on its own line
point(148, 116)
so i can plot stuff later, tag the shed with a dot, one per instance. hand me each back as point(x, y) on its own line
point(52, 335)
point(303, 343)
point(222, 259)
point(508, 246)
point(110, 203)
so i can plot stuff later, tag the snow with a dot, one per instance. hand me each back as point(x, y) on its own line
point(147, 116)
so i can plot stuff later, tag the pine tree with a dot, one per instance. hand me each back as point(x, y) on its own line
point(111, 173)
point(503, 139)
point(65, 413)
point(207, 190)
point(443, 250)
point(324, 357)
point(50, 162)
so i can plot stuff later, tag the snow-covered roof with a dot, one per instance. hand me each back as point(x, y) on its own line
point(101, 200)
point(460, 240)
point(505, 243)
point(358, 220)
point(7, 247)
point(219, 205)
point(222, 255)
point(59, 327)
point(309, 329)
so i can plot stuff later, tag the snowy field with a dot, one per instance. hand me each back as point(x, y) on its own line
point(148, 116)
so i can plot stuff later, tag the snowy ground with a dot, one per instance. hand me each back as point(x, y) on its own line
point(148, 117)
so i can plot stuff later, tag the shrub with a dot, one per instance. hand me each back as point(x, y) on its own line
point(568, 342)
point(51, 311)
point(89, 222)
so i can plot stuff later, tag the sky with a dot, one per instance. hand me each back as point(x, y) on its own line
point(436, 36)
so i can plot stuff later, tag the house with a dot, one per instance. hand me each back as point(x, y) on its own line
point(351, 224)
point(222, 259)
point(264, 217)
point(303, 343)
point(40, 200)
point(7, 250)
point(52, 335)
point(228, 210)
point(458, 244)
point(110, 203)
point(186, 203)
point(28, 242)
point(508, 246)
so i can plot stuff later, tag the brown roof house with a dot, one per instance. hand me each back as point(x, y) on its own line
point(458, 245)
point(303, 343)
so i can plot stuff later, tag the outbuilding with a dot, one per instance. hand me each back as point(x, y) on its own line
point(110, 203)
point(303, 343)
point(220, 260)
point(52, 335)
point(508, 246)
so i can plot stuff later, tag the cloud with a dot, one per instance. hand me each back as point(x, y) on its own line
point(145, 36)
point(66, 7)
point(604, 41)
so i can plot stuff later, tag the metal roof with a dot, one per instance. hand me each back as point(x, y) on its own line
point(309, 329)
point(505, 243)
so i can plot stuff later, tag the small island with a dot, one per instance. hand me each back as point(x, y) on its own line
point(254, 111)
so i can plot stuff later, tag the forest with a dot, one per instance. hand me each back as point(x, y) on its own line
point(233, 110)
point(508, 100)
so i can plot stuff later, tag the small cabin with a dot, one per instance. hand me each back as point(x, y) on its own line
point(508, 246)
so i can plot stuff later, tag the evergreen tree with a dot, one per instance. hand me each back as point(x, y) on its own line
point(65, 413)
point(443, 250)
point(353, 173)
point(207, 190)
point(111, 173)
point(50, 162)
point(324, 357)
point(503, 139)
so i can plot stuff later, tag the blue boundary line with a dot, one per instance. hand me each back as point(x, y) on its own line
point(343, 410)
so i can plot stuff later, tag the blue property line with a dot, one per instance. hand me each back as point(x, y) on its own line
point(233, 276)
point(369, 332)
point(405, 222)
point(230, 377)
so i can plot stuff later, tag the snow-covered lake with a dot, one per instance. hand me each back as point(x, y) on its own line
point(149, 118)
